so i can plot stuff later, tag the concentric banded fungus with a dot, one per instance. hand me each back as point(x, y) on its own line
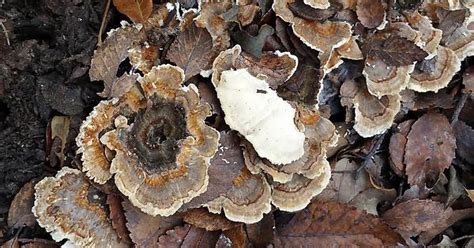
point(372, 115)
point(247, 200)
point(297, 194)
point(94, 160)
point(162, 158)
point(436, 73)
point(317, 4)
point(69, 208)
point(430, 36)
point(384, 80)
point(323, 37)
point(211, 19)
point(253, 109)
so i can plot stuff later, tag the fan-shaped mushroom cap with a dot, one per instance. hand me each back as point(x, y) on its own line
point(436, 73)
point(69, 208)
point(94, 160)
point(372, 115)
point(446, 4)
point(404, 30)
point(247, 201)
point(297, 194)
point(430, 36)
point(349, 50)
point(210, 18)
point(461, 42)
point(318, 4)
point(383, 79)
point(162, 158)
point(323, 37)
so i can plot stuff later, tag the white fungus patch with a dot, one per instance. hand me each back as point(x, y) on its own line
point(255, 110)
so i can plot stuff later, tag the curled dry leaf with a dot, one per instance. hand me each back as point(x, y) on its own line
point(253, 44)
point(188, 236)
point(137, 10)
point(370, 13)
point(107, 58)
point(429, 149)
point(397, 145)
point(412, 217)
point(330, 223)
point(145, 229)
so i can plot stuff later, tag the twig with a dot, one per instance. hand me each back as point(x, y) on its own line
point(102, 24)
point(459, 106)
point(5, 31)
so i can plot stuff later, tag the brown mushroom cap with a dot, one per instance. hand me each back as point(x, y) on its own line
point(372, 115)
point(297, 193)
point(210, 18)
point(162, 158)
point(430, 36)
point(69, 208)
point(436, 73)
point(383, 79)
point(247, 201)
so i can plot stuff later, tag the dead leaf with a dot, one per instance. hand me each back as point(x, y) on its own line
point(59, 133)
point(369, 199)
point(335, 224)
point(397, 144)
point(233, 238)
point(107, 58)
point(145, 229)
point(412, 217)
point(192, 51)
point(451, 22)
point(429, 149)
point(300, 9)
point(117, 217)
point(455, 187)
point(441, 99)
point(12, 243)
point(201, 218)
point(394, 51)
point(20, 213)
point(370, 13)
point(345, 183)
point(457, 215)
point(136, 10)
point(470, 194)
point(464, 141)
point(188, 236)
point(260, 234)
point(123, 84)
point(253, 44)
point(301, 87)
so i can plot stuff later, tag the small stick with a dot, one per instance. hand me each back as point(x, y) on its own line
point(102, 24)
point(5, 30)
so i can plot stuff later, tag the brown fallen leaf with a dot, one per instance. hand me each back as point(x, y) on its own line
point(429, 149)
point(370, 13)
point(396, 147)
point(136, 10)
point(59, 132)
point(201, 218)
point(192, 51)
point(107, 58)
point(20, 213)
point(412, 217)
point(301, 87)
point(233, 238)
point(464, 141)
point(117, 217)
point(335, 224)
point(260, 234)
point(145, 229)
point(394, 51)
point(188, 236)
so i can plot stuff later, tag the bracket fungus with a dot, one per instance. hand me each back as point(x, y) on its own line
point(69, 208)
point(162, 147)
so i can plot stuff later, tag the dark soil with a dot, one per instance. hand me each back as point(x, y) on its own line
point(43, 73)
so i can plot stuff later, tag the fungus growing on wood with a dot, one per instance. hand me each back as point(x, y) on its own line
point(69, 207)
